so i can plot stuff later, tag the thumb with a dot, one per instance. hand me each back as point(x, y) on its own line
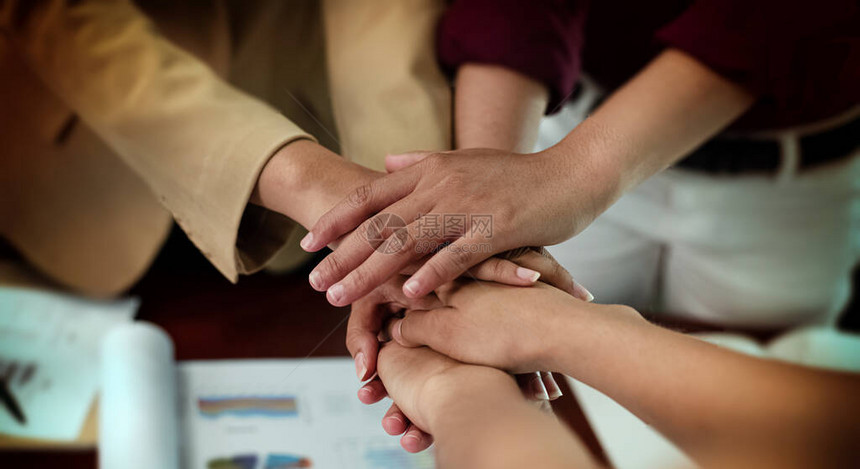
point(420, 327)
point(397, 162)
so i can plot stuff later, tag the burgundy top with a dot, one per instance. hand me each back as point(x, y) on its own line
point(801, 58)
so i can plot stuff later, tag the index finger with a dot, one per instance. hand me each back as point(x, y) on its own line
point(365, 321)
point(402, 248)
point(360, 205)
point(446, 265)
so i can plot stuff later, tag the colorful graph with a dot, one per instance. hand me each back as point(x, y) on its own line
point(248, 406)
point(394, 457)
point(242, 461)
point(286, 461)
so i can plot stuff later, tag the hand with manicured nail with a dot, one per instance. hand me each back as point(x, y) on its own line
point(395, 422)
point(371, 312)
point(421, 382)
point(528, 199)
point(476, 415)
point(366, 321)
point(415, 439)
point(368, 316)
point(519, 267)
point(510, 328)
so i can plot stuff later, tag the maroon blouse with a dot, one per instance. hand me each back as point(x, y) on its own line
point(801, 58)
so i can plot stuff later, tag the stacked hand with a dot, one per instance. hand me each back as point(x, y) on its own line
point(379, 292)
point(370, 313)
point(520, 200)
point(502, 327)
point(516, 268)
point(421, 381)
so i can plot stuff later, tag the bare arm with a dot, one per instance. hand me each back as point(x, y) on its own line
point(673, 105)
point(721, 407)
point(668, 109)
point(495, 107)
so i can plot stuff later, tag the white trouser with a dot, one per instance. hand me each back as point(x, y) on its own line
point(757, 251)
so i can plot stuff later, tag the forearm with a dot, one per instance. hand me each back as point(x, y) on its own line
point(303, 180)
point(493, 426)
point(660, 115)
point(497, 108)
point(715, 404)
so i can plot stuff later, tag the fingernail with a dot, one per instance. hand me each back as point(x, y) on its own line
point(539, 389)
point(392, 424)
point(334, 294)
point(411, 287)
point(528, 274)
point(360, 366)
point(305, 243)
point(582, 293)
point(364, 391)
point(554, 392)
point(397, 331)
point(314, 280)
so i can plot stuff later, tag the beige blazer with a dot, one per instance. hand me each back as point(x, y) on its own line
point(117, 117)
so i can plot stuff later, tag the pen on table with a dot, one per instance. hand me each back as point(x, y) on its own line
point(11, 403)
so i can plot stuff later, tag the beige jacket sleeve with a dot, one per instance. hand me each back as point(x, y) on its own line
point(388, 93)
point(196, 141)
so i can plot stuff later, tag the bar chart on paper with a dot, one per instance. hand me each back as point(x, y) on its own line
point(247, 406)
point(283, 414)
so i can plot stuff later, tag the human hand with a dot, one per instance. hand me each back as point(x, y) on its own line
point(530, 199)
point(303, 180)
point(366, 320)
point(519, 267)
point(395, 422)
point(421, 381)
point(514, 329)
point(371, 312)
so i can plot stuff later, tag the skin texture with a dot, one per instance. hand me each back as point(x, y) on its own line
point(670, 107)
point(494, 108)
point(459, 404)
point(722, 408)
point(371, 311)
point(497, 108)
point(303, 180)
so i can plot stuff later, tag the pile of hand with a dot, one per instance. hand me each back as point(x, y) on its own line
point(470, 294)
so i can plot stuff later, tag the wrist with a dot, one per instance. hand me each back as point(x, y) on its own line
point(582, 341)
point(465, 394)
point(303, 180)
point(587, 164)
